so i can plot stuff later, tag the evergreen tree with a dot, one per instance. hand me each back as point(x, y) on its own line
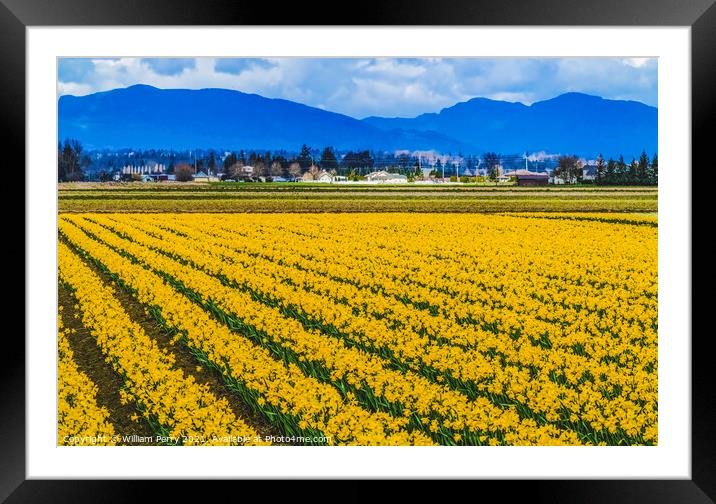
point(305, 159)
point(211, 164)
point(229, 161)
point(621, 173)
point(328, 159)
point(633, 178)
point(610, 172)
point(365, 160)
point(655, 170)
point(642, 172)
point(601, 171)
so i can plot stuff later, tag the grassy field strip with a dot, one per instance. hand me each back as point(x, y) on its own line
point(282, 204)
point(78, 415)
point(643, 219)
point(343, 317)
point(173, 404)
point(313, 187)
point(304, 404)
point(353, 195)
point(415, 393)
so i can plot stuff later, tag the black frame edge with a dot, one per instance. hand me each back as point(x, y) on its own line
point(699, 14)
point(12, 372)
point(703, 110)
point(369, 12)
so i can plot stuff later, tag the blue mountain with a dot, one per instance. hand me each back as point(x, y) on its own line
point(570, 123)
point(147, 117)
point(143, 116)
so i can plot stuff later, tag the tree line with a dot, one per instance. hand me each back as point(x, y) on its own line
point(643, 171)
point(639, 172)
point(73, 163)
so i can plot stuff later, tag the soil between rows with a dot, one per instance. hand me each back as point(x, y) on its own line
point(90, 360)
point(184, 359)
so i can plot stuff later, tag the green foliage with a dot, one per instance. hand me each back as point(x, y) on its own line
point(637, 173)
point(70, 161)
point(328, 159)
point(569, 169)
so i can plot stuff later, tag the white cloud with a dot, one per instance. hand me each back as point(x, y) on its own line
point(637, 62)
point(73, 88)
point(397, 87)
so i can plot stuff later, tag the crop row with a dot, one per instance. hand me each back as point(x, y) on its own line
point(174, 405)
point(547, 379)
point(441, 411)
point(79, 418)
point(296, 403)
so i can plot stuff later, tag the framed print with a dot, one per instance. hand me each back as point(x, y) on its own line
point(432, 244)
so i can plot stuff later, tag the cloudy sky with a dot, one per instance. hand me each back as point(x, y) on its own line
point(360, 87)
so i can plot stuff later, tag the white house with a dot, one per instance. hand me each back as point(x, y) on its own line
point(324, 176)
point(385, 177)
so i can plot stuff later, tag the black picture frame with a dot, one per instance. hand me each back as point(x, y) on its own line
point(700, 15)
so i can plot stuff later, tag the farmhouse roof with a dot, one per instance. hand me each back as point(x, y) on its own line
point(525, 174)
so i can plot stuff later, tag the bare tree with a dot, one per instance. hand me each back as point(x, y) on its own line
point(276, 169)
point(184, 172)
point(492, 159)
point(315, 171)
point(260, 169)
point(235, 171)
point(569, 169)
point(294, 170)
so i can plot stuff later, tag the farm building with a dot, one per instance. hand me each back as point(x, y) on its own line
point(155, 177)
point(534, 179)
point(384, 176)
point(324, 176)
point(201, 177)
point(529, 178)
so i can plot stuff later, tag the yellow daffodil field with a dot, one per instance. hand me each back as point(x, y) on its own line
point(358, 329)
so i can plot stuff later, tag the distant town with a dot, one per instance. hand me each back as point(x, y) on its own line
point(328, 165)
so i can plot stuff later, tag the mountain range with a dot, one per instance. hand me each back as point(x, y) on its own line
point(145, 117)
